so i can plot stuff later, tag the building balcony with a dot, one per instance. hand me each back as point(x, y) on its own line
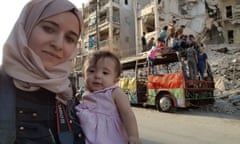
point(147, 9)
point(104, 43)
point(103, 20)
point(92, 28)
point(103, 3)
point(236, 21)
point(116, 1)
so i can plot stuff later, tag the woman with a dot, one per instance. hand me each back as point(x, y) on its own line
point(36, 65)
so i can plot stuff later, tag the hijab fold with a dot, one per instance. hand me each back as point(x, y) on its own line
point(20, 61)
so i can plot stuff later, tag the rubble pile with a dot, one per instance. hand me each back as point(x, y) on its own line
point(225, 66)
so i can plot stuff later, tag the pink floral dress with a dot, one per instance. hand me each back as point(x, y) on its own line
point(100, 119)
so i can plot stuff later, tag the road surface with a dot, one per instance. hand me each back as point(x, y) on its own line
point(187, 127)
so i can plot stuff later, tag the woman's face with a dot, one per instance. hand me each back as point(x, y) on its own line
point(54, 39)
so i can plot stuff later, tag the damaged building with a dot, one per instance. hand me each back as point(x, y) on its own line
point(230, 20)
point(117, 25)
point(107, 25)
point(214, 21)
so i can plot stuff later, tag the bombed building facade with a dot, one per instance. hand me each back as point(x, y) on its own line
point(213, 21)
point(118, 25)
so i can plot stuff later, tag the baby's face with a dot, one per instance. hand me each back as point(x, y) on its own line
point(101, 75)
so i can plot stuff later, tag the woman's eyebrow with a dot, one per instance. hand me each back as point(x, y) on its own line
point(57, 25)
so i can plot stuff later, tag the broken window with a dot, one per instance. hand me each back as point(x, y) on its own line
point(230, 37)
point(229, 11)
point(126, 2)
point(182, 7)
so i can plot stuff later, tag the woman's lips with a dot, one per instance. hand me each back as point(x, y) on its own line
point(52, 54)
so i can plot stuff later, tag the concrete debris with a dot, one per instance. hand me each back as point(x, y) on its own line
point(224, 106)
point(225, 63)
point(222, 50)
point(235, 100)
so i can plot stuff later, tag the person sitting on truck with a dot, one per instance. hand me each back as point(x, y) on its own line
point(202, 63)
point(163, 33)
point(153, 53)
point(192, 59)
point(150, 43)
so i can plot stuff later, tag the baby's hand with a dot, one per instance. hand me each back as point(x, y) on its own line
point(133, 140)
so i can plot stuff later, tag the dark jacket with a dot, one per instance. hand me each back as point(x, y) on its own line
point(32, 120)
point(7, 110)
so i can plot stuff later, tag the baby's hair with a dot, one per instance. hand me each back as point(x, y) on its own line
point(94, 57)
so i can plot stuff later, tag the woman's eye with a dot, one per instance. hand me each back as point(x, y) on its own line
point(71, 39)
point(48, 29)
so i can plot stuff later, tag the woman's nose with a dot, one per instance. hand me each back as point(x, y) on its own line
point(58, 42)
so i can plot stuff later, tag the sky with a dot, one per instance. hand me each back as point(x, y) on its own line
point(9, 12)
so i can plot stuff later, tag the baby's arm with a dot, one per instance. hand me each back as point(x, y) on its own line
point(126, 115)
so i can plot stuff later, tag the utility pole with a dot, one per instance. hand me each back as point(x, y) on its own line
point(97, 29)
point(157, 24)
point(135, 9)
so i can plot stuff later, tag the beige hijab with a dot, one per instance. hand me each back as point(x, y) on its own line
point(21, 63)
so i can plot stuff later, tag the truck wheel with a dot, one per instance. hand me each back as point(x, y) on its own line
point(165, 104)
